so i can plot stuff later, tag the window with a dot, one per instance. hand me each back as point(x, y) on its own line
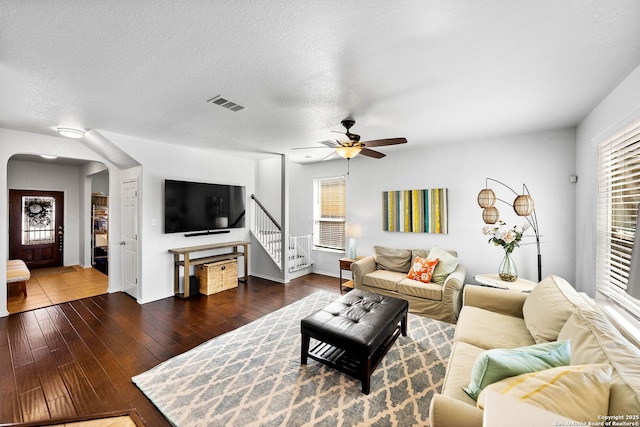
point(38, 220)
point(329, 213)
point(617, 209)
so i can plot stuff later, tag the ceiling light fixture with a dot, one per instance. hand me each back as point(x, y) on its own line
point(348, 152)
point(71, 133)
point(48, 156)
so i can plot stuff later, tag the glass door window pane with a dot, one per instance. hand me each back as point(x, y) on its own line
point(38, 224)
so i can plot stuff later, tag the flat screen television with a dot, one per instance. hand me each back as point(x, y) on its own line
point(199, 206)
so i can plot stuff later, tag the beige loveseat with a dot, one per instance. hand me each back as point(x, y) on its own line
point(385, 273)
point(554, 311)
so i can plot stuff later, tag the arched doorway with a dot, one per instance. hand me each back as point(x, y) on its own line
point(73, 276)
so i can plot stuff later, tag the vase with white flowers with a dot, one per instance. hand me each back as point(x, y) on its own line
point(509, 238)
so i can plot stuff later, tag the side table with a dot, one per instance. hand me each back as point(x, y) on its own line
point(493, 280)
point(345, 264)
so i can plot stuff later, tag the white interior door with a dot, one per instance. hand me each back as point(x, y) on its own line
point(130, 237)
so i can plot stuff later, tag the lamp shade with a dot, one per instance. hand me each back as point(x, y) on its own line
point(523, 205)
point(354, 230)
point(490, 215)
point(486, 198)
point(348, 152)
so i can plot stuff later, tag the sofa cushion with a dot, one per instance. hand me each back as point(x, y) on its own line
point(424, 253)
point(595, 340)
point(500, 363)
point(383, 279)
point(580, 393)
point(392, 259)
point(487, 329)
point(549, 306)
point(422, 269)
point(459, 371)
point(431, 291)
point(445, 266)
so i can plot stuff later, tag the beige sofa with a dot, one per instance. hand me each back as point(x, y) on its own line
point(385, 273)
point(554, 311)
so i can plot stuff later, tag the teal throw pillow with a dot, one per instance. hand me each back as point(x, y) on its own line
point(445, 266)
point(500, 363)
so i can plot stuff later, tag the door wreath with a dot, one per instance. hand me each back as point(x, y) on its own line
point(39, 212)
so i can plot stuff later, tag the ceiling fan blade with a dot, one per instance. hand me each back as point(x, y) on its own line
point(330, 143)
point(372, 153)
point(307, 148)
point(382, 142)
point(343, 136)
point(331, 156)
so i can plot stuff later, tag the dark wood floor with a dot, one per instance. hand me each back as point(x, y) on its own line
point(77, 358)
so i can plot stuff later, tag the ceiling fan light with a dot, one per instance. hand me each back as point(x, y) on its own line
point(348, 152)
point(486, 198)
point(71, 133)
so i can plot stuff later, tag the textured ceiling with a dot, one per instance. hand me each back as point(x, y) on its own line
point(432, 71)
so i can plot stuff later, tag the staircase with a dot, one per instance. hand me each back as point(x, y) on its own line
point(300, 252)
point(268, 232)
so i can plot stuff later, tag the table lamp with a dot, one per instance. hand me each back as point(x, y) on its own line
point(353, 231)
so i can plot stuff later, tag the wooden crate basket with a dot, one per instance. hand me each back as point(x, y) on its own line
point(218, 276)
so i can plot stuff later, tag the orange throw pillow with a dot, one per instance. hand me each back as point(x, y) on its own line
point(422, 269)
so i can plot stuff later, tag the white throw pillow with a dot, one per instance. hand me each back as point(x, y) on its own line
point(578, 392)
point(446, 265)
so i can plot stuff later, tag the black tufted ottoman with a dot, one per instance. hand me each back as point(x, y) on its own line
point(355, 333)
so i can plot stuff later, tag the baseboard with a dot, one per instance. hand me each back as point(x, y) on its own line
point(329, 273)
point(273, 279)
point(146, 301)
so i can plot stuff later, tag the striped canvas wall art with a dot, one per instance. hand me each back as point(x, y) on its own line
point(415, 211)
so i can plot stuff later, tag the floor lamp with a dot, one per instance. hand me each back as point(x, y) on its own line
point(522, 205)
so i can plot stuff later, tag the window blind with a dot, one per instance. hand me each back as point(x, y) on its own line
point(617, 209)
point(329, 213)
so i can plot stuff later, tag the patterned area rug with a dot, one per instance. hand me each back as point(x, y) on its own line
point(252, 377)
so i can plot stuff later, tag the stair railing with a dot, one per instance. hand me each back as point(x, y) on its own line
point(268, 232)
point(300, 252)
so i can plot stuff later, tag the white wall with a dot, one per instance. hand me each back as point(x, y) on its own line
point(100, 183)
point(269, 185)
point(620, 108)
point(162, 161)
point(543, 161)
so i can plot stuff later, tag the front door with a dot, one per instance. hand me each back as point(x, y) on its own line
point(36, 229)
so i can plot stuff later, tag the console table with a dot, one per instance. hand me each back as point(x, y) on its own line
point(187, 261)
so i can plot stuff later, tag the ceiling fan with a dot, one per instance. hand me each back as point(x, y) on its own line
point(354, 146)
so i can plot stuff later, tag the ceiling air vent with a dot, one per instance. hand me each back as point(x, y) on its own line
point(223, 102)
